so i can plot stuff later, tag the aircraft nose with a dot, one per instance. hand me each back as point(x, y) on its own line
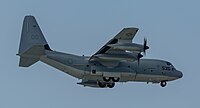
point(179, 74)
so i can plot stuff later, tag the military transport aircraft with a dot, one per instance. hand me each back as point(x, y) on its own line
point(117, 61)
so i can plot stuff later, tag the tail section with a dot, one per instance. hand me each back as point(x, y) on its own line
point(32, 43)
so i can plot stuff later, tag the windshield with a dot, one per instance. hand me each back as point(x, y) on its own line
point(169, 64)
point(172, 67)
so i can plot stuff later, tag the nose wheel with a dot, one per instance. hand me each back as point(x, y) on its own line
point(163, 83)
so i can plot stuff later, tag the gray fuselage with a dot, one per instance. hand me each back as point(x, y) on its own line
point(148, 70)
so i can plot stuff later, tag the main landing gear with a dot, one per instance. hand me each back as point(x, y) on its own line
point(114, 79)
point(111, 85)
point(108, 82)
point(103, 84)
point(163, 83)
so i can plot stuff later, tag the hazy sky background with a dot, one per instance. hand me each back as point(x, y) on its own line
point(172, 28)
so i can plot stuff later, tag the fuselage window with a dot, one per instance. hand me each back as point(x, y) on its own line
point(93, 71)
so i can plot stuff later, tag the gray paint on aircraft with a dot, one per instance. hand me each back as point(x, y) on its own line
point(103, 69)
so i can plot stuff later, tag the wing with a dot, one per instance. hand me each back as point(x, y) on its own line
point(108, 53)
point(125, 36)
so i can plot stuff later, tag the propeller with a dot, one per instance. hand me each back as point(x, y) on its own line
point(145, 46)
point(138, 57)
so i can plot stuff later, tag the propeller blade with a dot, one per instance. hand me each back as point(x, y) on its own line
point(138, 57)
point(145, 46)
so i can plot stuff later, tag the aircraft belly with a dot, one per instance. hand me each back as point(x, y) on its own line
point(153, 78)
point(111, 74)
point(127, 76)
point(93, 77)
point(124, 76)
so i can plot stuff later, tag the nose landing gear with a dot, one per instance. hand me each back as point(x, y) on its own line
point(163, 83)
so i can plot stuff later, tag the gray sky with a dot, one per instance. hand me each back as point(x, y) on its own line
point(82, 27)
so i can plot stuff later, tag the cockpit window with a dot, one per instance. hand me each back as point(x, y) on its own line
point(173, 69)
point(169, 64)
point(168, 67)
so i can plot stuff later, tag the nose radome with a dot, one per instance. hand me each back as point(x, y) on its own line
point(180, 74)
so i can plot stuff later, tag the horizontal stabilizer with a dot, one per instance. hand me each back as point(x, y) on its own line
point(27, 61)
point(31, 56)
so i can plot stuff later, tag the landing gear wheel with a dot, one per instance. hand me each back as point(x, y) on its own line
point(115, 79)
point(111, 85)
point(106, 79)
point(163, 83)
point(102, 85)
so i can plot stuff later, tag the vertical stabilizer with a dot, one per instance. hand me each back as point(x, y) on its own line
point(32, 43)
